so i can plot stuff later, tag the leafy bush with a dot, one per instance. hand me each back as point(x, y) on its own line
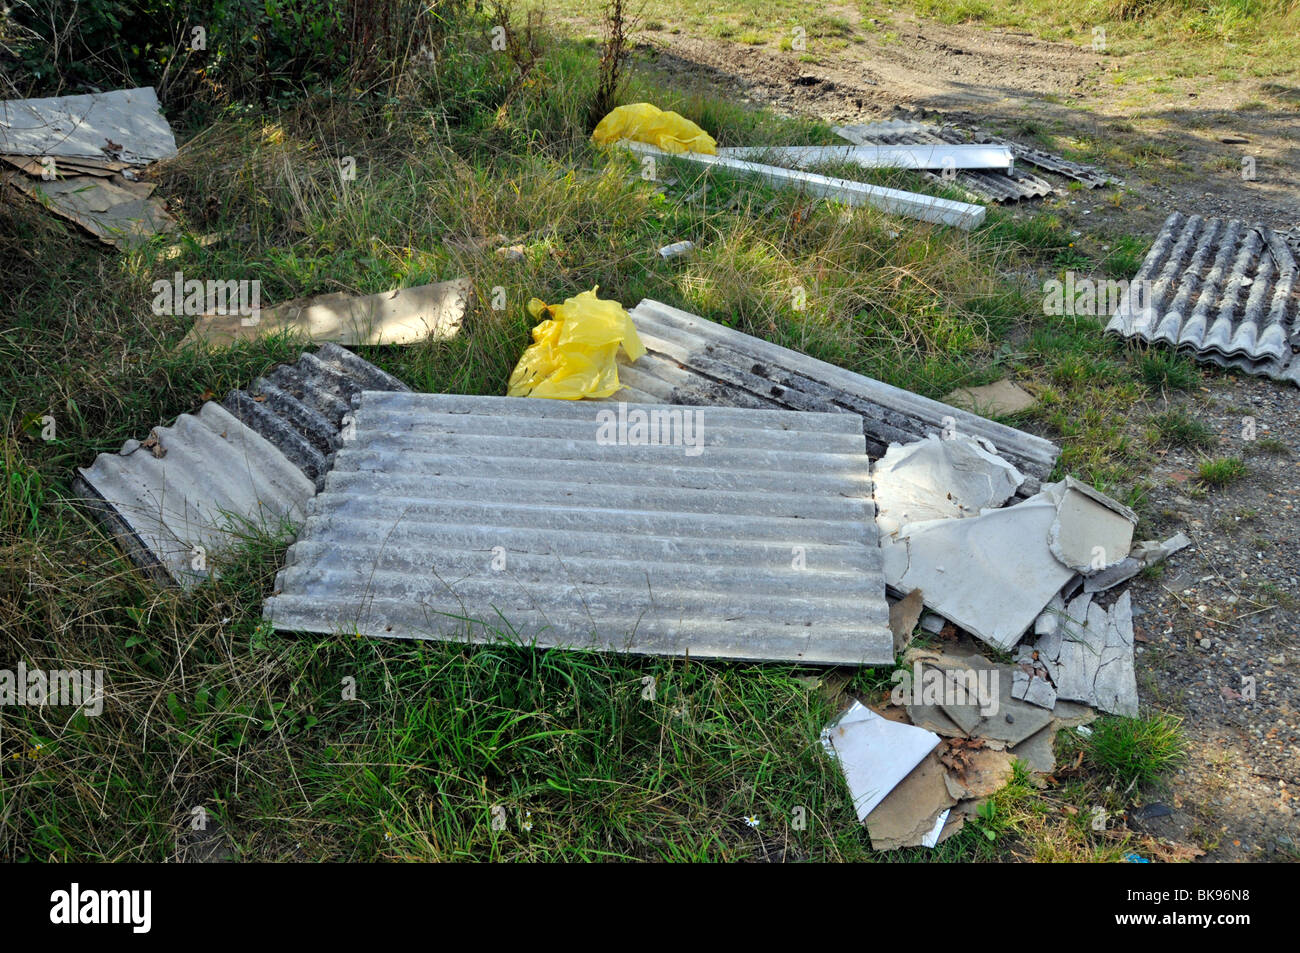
point(229, 49)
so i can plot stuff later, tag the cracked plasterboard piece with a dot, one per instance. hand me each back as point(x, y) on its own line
point(1032, 686)
point(939, 478)
point(1090, 656)
point(874, 753)
point(903, 616)
point(1038, 750)
point(990, 574)
point(915, 811)
point(1144, 554)
point(1091, 531)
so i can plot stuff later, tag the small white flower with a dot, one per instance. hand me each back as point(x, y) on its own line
point(752, 820)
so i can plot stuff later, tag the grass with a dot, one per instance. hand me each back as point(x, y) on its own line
point(209, 708)
point(1174, 428)
point(1166, 370)
point(1138, 753)
point(1221, 471)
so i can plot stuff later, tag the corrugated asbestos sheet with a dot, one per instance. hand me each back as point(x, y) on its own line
point(300, 407)
point(248, 465)
point(550, 523)
point(996, 186)
point(1220, 289)
point(691, 360)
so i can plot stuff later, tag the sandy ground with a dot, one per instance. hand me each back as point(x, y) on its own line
point(999, 80)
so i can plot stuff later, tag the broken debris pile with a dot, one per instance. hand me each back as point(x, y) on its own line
point(78, 155)
point(956, 539)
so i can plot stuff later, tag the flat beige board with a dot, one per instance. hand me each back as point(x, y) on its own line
point(903, 616)
point(115, 211)
point(993, 400)
point(400, 316)
point(907, 816)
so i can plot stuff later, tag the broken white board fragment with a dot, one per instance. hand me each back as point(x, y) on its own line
point(926, 208)
point(1091, 531)
point(1030, 682)
point(874, 753)
point(125, 124)
point(1089, 658)
point(991, 574)
point(401, 316)
point(1144, 554)
point(939, 155)
point(939, 478)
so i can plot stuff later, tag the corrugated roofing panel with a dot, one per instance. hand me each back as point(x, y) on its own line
point(1010, 186)
point(215, 478)
point(691, 360)
point(547, 522)
point(255, 461)
point(1220, 289)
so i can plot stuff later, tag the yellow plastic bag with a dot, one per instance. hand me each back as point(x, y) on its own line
point(573, 352)
point(643, 122)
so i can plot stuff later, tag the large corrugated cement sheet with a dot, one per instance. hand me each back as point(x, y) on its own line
point(1221, 290)
point(247, 466)
point(124, 123)
point(692, 360)
point(744, 534)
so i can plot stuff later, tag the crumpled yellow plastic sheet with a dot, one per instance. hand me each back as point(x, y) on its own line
point(574, 351)
point(643, 122)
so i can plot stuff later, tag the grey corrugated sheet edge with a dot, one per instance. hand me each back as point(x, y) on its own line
point(482, 518)
point(254, 461)
point(996, 186)
point(1220, 289)
point(692, 360)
